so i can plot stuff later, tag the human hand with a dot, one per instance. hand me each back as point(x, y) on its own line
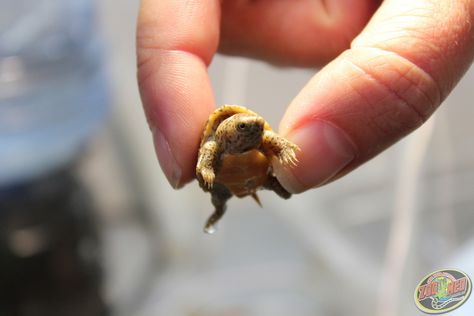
point(383, 79)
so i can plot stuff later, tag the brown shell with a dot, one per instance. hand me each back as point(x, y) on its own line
point(243, 174)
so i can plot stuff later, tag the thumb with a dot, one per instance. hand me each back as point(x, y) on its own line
point(397, 72)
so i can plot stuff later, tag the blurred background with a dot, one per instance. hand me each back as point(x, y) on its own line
point(89, 225)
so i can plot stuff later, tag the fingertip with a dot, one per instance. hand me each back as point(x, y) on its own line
point(372, 97)
point(325, 151)
point(177, 99)
point(172, 170)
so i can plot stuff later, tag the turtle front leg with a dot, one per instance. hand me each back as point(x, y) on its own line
point(206, 162)
point(219, 196)
point(283, 149)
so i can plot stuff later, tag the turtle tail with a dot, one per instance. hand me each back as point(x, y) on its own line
point(257, 199)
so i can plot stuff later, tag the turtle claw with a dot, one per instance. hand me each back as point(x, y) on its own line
point(208, 177)
point(288, 155)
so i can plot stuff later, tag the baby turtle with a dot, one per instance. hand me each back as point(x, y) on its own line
point(235, 158)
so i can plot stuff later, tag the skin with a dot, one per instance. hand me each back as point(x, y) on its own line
point(230, 132)
point(386, 67)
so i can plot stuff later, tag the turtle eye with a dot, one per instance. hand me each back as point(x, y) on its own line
point(241, 126)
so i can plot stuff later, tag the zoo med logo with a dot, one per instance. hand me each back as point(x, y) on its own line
point(442, 291)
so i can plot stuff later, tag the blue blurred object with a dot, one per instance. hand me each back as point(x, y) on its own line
point(53, 90)
point(53, 95)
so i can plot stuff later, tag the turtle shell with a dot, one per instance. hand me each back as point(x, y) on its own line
point(243, 174)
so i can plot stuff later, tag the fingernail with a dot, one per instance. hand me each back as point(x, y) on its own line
point(167, 161)
point(325, 150)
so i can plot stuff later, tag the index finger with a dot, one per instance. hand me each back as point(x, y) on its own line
point(176, 41)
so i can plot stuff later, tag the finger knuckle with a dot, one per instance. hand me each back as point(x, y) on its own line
point(403, 96)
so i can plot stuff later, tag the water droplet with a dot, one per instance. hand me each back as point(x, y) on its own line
point(210, 229)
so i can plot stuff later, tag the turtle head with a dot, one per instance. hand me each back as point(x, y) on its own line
point(240, 133)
